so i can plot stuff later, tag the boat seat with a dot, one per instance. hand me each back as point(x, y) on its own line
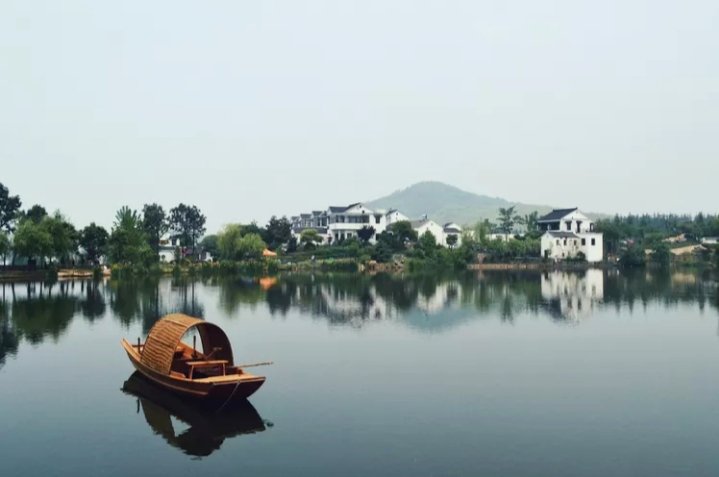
point(175, 374)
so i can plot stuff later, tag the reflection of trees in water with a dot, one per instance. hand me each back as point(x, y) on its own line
point(9, 339)
point(43, 313)
point(235, 291)
point(34, 311)
point(186, 299)
point(93, 305)
point(667, 287)
point(146, 300)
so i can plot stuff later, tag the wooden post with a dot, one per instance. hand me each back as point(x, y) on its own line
point(194, 346)
point(138, 346)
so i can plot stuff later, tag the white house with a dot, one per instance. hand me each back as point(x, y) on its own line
point(451, 229)
point(569, 233)
point(425, 225)
point(440, 232)
point(339, 223)
point(168, 247)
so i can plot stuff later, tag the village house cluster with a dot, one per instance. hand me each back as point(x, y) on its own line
point(339, 223)
point(568, 233)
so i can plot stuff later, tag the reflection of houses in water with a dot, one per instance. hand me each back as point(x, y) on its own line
point(352, 308)
point(442, 296)
point(572, 295)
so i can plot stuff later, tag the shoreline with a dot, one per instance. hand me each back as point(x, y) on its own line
point(318, 267)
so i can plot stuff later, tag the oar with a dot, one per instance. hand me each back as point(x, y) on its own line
point(264, 363)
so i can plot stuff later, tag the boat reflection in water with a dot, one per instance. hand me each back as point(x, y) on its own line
point(208, 427)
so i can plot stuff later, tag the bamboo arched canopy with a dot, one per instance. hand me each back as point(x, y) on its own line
point(166, 334)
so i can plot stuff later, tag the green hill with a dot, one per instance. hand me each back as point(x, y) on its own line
point(444, 203)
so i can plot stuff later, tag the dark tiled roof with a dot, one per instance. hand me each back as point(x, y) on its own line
point(335, 209)
point(556, 214)
point(558, 234)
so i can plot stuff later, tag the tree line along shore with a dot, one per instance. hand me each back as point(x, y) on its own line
point(35, 241)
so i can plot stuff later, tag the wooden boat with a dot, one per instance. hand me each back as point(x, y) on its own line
point(208, 375)
point(206, 428)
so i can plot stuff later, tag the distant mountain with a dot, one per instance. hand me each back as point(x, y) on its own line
point(445, 203)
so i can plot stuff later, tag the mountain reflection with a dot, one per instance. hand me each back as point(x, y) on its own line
point(34, 312)
point(207, 429)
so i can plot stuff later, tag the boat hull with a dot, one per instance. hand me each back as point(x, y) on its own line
point(229, 390)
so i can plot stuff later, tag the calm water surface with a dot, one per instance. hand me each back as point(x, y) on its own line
point(591, 374)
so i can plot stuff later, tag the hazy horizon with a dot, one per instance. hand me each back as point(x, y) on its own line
point(249, 110)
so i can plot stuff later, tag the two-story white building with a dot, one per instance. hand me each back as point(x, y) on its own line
point(569, 233)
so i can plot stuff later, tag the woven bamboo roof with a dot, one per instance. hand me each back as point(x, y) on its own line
point(166, 334)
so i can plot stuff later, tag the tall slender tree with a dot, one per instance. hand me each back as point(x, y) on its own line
point(507, 219)
point(188, 222)
point(154, 223)
point(9, 209)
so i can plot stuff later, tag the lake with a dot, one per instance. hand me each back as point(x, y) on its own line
point(599, 373)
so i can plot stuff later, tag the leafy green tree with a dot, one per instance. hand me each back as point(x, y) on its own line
point(128, 244)
point(32, 240)
point(452, 240)
point(93, 239)
point(632, 256)
point(36, 213)
point(277, 232)
point(530, 222)
point(366, 233)
point(253, 228)
point(482, 230)
point(403, 232)
point(382, 251)
point(309, 238)
point(210, 244)
point(662, 254)
point(234, 245)
point(154, 223)
point(9, 209)
point(508, 218)
point(64, 236)
point(188, 222)
point(427, 244)
point(5, 246)
point(250, 246)
point(227, 241)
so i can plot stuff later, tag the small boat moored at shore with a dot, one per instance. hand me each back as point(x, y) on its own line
point(208, 375)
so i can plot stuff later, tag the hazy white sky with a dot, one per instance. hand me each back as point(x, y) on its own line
point(253, 108)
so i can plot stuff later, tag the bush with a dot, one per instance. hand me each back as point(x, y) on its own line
point(632, 256)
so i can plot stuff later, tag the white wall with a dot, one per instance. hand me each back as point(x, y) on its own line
point(559, 250)
point(435, 228)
